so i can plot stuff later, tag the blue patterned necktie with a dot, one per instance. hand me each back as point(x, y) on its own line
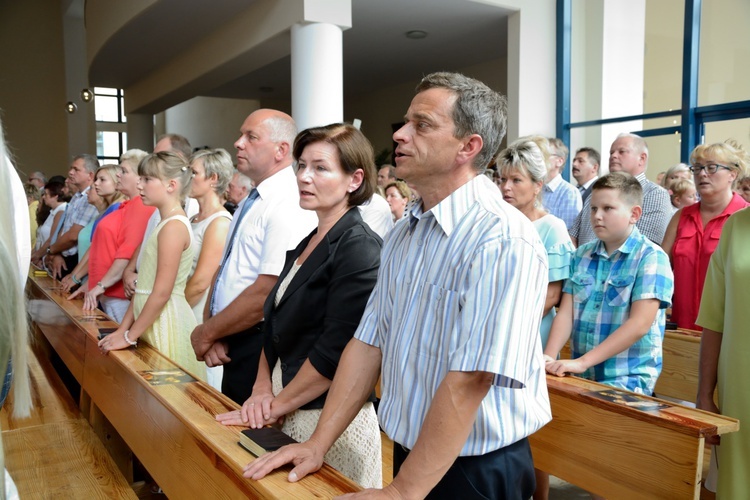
point(245, 208)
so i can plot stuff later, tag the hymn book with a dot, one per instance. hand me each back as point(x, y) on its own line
point(265, 439)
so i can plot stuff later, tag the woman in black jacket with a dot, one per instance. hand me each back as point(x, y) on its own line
point(318, 301)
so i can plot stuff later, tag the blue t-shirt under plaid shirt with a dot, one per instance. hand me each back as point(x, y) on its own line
point(603, 288)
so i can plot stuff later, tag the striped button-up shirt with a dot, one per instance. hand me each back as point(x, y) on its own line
point(604, 288)
point(79, 211)
point(461, 287)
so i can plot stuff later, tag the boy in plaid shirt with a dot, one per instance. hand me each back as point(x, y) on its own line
point(614, 302)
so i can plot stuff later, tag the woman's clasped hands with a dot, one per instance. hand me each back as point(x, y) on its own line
point(255, 413)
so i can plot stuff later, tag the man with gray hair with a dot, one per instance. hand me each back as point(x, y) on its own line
point(239, 187)
point(453, 321)
point(629, 153)
point(38, 179)
point(62, 253)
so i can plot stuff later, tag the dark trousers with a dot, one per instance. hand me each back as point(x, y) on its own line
point(244, 351)
point(504, 474)
point(70, 262)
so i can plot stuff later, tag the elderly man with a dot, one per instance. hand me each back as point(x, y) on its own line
point(268, 222)
point(586, 170)
point(238, 188)
point(38, 179)
point(453, 321)
point(62, 253)
point(560, 198)
point(629, 153)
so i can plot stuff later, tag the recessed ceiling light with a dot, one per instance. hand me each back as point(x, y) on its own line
point(416, 34)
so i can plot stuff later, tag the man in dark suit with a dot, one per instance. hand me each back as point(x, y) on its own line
point(586, 170)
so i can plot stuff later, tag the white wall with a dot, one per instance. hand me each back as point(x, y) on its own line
point(379, 109)
point(207, 121)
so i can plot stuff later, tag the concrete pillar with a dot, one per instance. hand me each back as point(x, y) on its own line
point(317, 74)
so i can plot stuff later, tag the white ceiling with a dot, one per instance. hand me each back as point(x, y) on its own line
point(376, 52)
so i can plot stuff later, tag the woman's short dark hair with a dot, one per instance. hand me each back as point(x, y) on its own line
point(55, 188)
point(354, 151)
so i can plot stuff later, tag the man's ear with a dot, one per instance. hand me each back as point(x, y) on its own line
point(282, 150)
point(472, 146)
point(635, 214)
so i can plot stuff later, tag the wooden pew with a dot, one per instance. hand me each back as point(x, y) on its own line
point(54, 453)
point(62, 460)
point(621, 452)
point(681, 355)
point(170, 428)
point(51, 401)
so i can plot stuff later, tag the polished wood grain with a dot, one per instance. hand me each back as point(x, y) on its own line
point(622, 452)
point(51, 401)
point(170, 428)
point(681, 358)
point(63, 460)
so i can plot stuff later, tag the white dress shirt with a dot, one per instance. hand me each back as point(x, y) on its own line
point(272, 226)
point(377, 214)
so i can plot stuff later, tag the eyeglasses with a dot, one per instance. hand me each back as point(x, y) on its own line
point(711, 168)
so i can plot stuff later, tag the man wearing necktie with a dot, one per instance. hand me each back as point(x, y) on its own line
point(267, 223)
point(586, 170)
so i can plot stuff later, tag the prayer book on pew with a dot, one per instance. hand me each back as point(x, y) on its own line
point(265, 439)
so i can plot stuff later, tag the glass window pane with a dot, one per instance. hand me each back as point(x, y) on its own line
point(104, 91)
point(626, 57)
point(108, 144)
point(739, 130)
point(664, 150)
point(723, 71)
point(106, 108)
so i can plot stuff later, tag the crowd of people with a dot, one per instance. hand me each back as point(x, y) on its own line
point(295, 280)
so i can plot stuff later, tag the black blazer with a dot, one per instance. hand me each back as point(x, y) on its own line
point(323, 304)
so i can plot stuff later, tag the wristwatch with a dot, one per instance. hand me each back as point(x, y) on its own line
point(100, 284)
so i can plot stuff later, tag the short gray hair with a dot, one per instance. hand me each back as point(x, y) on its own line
point(216, 161)
point(639, 143)
point(525, 156)
point(478, 110)
point(281, 129)
point(90, 162)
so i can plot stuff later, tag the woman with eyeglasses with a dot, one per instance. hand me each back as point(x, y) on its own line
point(694, 231)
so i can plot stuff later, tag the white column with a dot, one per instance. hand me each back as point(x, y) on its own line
point(317, 74)
point(140, 129)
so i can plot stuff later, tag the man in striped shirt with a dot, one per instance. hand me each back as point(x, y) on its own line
point(453, 321)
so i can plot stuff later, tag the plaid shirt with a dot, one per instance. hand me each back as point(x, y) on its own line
point(79, 212)
point(562, 200)
point(604, 288)
point(657, 212)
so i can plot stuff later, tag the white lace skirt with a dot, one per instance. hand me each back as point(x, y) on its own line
point(356, 453)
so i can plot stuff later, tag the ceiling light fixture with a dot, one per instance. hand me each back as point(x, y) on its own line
point(71, 107)
point(416, 34)
point(87, 95)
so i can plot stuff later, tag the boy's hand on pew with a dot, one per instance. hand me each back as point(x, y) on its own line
point(562, 366)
